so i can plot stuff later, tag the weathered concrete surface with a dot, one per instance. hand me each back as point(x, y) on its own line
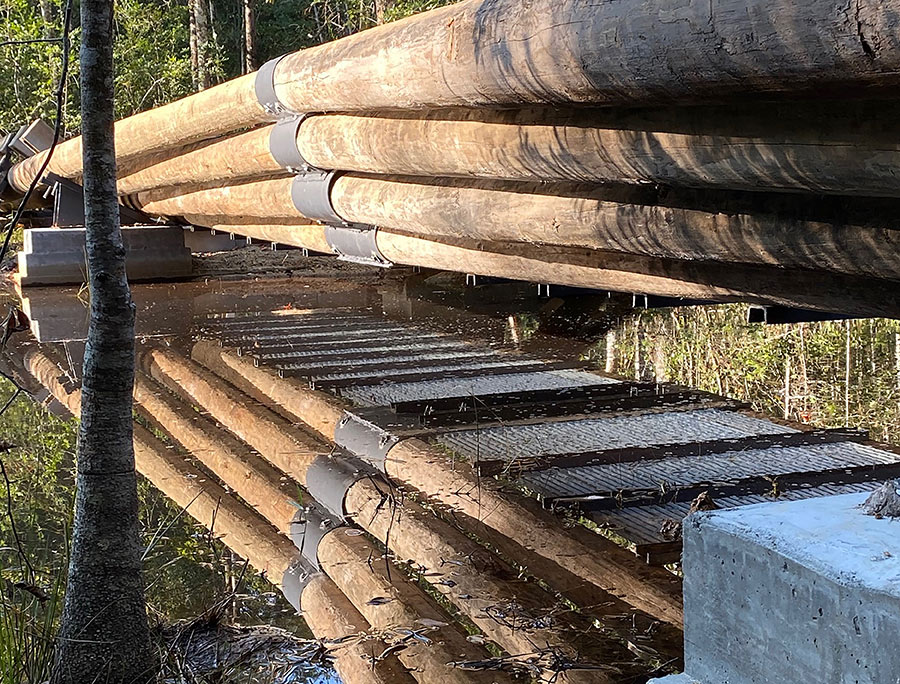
point(792, 593)
point(674, 679)
point(56, 256)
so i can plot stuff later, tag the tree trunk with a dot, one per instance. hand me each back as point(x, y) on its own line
point(104, 634)
point(249, 36)
point(194, 43)
point(200, 10)
point(381, 7)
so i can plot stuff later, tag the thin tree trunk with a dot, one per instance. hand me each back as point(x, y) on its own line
point(200, 10)
point(847, 366)
point(104, 635)
point(249, 36)
point(194, 43)
point(610, 364)
point(381, 7)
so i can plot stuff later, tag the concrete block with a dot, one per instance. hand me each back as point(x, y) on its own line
point(792, 593)
point(55, 256)
point(674, 679)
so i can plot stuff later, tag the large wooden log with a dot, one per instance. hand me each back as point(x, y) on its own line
point(207, 114)
point(616, 272)
point(592, 558)
point(331, 615)
point(834, 148)
point(480, 581)
point(505, 52)
point(624, 220)
point(390, 602)
point(844, 148)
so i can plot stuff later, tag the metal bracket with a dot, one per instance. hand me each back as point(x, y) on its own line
point(33, 138)
point(68, 204)
point(311, 194)
point(283, 145)
point(308, 528)
point(294, 581)
point(329, 478)
point(264, 86)
point(356, 243)
point(364, 440)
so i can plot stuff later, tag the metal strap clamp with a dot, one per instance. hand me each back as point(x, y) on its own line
point(364, 440)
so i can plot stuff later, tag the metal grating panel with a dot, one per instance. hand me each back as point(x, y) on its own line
point(672, 473)
point(510, 442)
point(513, 382)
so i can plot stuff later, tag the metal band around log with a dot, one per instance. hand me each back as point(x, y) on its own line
point(364, 439)
point(295, 579)
point(356, 243)
point(264, 86)
point(329, 478)
point(283, 145)
point(308, 528)
point(311, 195)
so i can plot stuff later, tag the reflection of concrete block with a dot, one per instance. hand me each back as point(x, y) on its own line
point(55, 256)
point(792, 593)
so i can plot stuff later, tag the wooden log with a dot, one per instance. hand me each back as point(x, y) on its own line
point(286, 447)
point(843, 148)
point(392, 603)
point(329, 614)
point(242, 531)
point(616, 272)
point(564, 216)
point(257, 482)
point(243, 156)
point(479, 580)
point(513, 613)
point(222, 109)
point(504, 52)
point(585, 555)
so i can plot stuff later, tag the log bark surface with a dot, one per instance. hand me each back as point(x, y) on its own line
point(332, 617)
point(504, 52)
point(853, 151)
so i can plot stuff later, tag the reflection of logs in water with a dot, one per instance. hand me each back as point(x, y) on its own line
point(269, 491)
point(327, 612)
point(579, 552)
point(468, 576)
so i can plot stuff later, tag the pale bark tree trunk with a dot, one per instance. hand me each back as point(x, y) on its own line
point(194, 43)
point(249, 36)
point(381, 7)
point(200, 10)
point(104, 635)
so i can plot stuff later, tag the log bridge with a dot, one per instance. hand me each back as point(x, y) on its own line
point(712, 151)
point(420, 496)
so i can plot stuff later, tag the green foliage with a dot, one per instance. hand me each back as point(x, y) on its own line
point(796, 371)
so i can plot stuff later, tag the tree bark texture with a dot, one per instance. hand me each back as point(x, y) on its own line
point(505, 52)
point(104, 633)
point(249, 51)
point(623, 220)
point(849, 148)
point(626, 52)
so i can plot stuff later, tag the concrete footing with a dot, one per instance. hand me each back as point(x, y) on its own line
point(792, 593)
point(55, 256)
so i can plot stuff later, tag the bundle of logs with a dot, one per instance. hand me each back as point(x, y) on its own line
point(704, 150)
